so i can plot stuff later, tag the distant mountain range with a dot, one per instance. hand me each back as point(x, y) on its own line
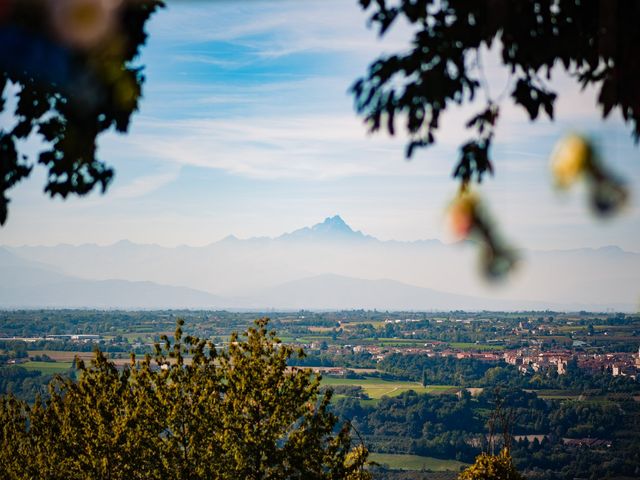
point(26, 284)
point(325, 266)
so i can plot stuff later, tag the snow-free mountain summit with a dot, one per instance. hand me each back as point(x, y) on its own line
point(330, 230)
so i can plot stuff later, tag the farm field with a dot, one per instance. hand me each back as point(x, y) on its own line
point(582, 395)
point(415, 462)
point(61, 356)
point(48, 368)
point(378, 388)
point(560, 395)
point(374, 323)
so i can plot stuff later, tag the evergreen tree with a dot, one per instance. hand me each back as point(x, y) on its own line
point(188, 412)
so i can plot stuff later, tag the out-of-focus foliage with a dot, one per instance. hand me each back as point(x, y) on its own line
point(230, 414)
point(470, 219)
point(575, 158)
point(596, 41)
point(492, 467)
point(70, 64)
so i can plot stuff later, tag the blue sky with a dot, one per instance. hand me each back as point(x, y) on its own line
point(247, 128)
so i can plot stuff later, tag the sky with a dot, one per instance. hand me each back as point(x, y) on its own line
point(247, 128)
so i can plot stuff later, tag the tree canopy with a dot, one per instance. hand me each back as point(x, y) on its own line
point(492, 467)
point(72, 65)
point(189, 412)
point(595, 41)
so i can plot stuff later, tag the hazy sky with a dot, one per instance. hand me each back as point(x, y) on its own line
point(247, 128)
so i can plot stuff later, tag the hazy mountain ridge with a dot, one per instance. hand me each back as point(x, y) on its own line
point(249, 270)
point(25, 284)
point(336, 292)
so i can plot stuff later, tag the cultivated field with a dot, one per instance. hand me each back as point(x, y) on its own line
point(48, 368)
point(415, 462)
point(377, 388)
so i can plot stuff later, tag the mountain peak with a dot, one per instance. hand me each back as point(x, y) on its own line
point(331, 228)
point(335, 223)
point(336, 219)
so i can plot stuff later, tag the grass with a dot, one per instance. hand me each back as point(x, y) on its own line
point(377, 388)
point(310, 338)
point(587, 396)
point(47, 368)
point(62, 356)
point(415, 462)
point(286, 339)
point(145, 336)
point(320, 329)
point(374, 323)
point(561, 397)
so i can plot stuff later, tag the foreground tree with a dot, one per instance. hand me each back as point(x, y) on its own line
point(489, 465)
point(231, 414)
point(492, 467)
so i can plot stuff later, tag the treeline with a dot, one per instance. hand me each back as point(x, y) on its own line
point(22, 383)
point(12, 352)
point(551, 459)
point(344, 360)
point(436, 370)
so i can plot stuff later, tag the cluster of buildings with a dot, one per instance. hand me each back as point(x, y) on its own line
point(529, 360)
point(625, 366)
point(533, 360)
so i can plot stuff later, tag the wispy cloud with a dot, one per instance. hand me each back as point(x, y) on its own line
point(141, 186)
point(278, 28)
point(254, 94)
point(316, 147)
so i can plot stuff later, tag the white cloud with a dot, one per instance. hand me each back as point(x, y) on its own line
point(145, 185)
point(295, 123)
point(278, 28)
point(305, 146)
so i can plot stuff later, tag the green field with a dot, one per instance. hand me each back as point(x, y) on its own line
point(377, 388)
point(565, 394)
point(374, 323)
point(415, 462)
point(47, 368)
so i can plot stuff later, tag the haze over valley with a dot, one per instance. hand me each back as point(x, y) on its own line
point(325, 266)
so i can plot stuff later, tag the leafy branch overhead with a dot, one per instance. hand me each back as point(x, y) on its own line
point(595, 41)
point(70, 64)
